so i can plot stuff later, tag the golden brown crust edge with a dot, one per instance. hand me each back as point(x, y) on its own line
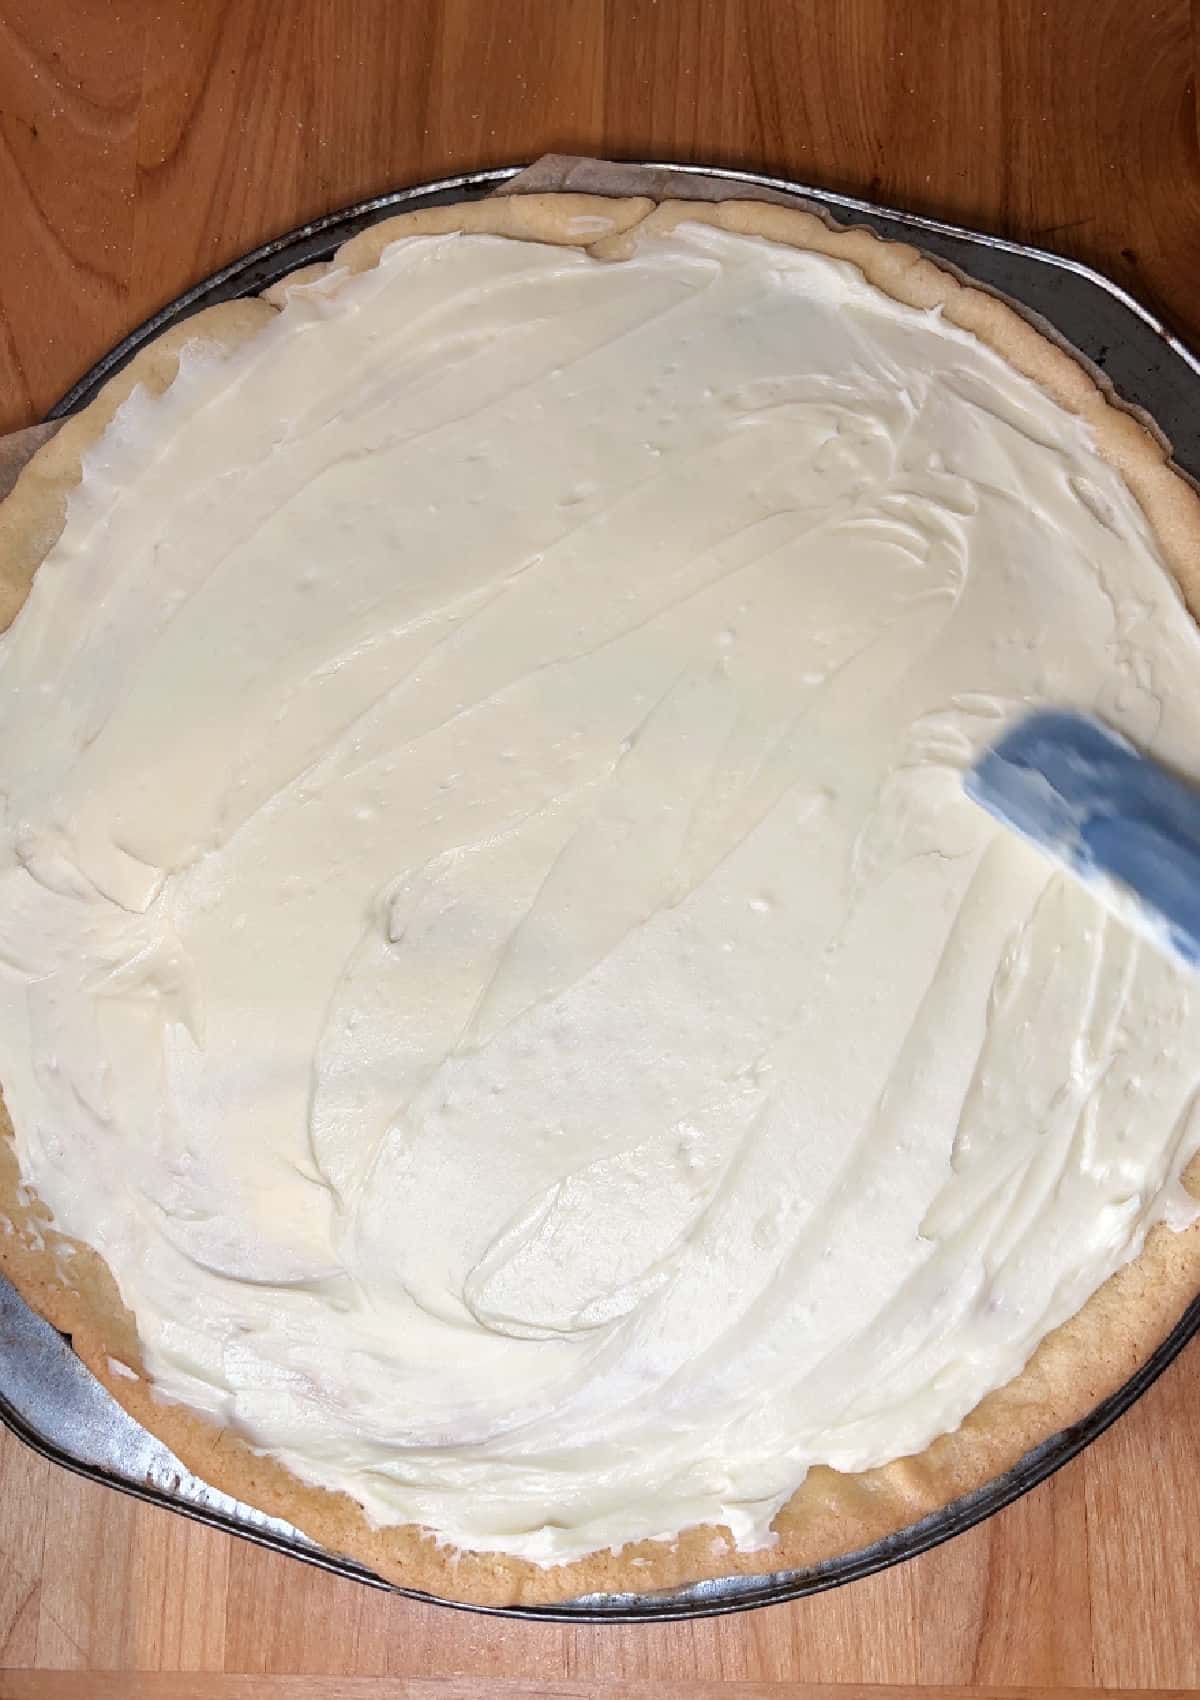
point(1077, 1366)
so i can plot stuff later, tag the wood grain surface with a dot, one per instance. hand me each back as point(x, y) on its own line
point(141, 145)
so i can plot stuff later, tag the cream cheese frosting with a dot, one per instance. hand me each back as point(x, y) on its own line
point(493, 948)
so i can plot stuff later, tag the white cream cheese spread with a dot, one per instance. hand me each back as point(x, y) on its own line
point(495, 953)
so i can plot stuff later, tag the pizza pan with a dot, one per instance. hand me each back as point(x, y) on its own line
point(51, 1401)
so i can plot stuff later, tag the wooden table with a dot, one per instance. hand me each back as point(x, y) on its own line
point(143, 145)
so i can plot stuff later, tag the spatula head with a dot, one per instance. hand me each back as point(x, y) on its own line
point(1117, 819)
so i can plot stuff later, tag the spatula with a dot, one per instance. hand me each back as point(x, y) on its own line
point(1128, 828)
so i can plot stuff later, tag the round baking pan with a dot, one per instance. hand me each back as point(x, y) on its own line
point(1151, 370)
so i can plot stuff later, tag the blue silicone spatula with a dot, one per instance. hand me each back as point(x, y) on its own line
point(1118, 820)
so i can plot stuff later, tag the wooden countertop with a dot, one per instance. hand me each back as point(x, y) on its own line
point(143, 145)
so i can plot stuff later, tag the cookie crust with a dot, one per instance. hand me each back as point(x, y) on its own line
point(1077, 1366)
